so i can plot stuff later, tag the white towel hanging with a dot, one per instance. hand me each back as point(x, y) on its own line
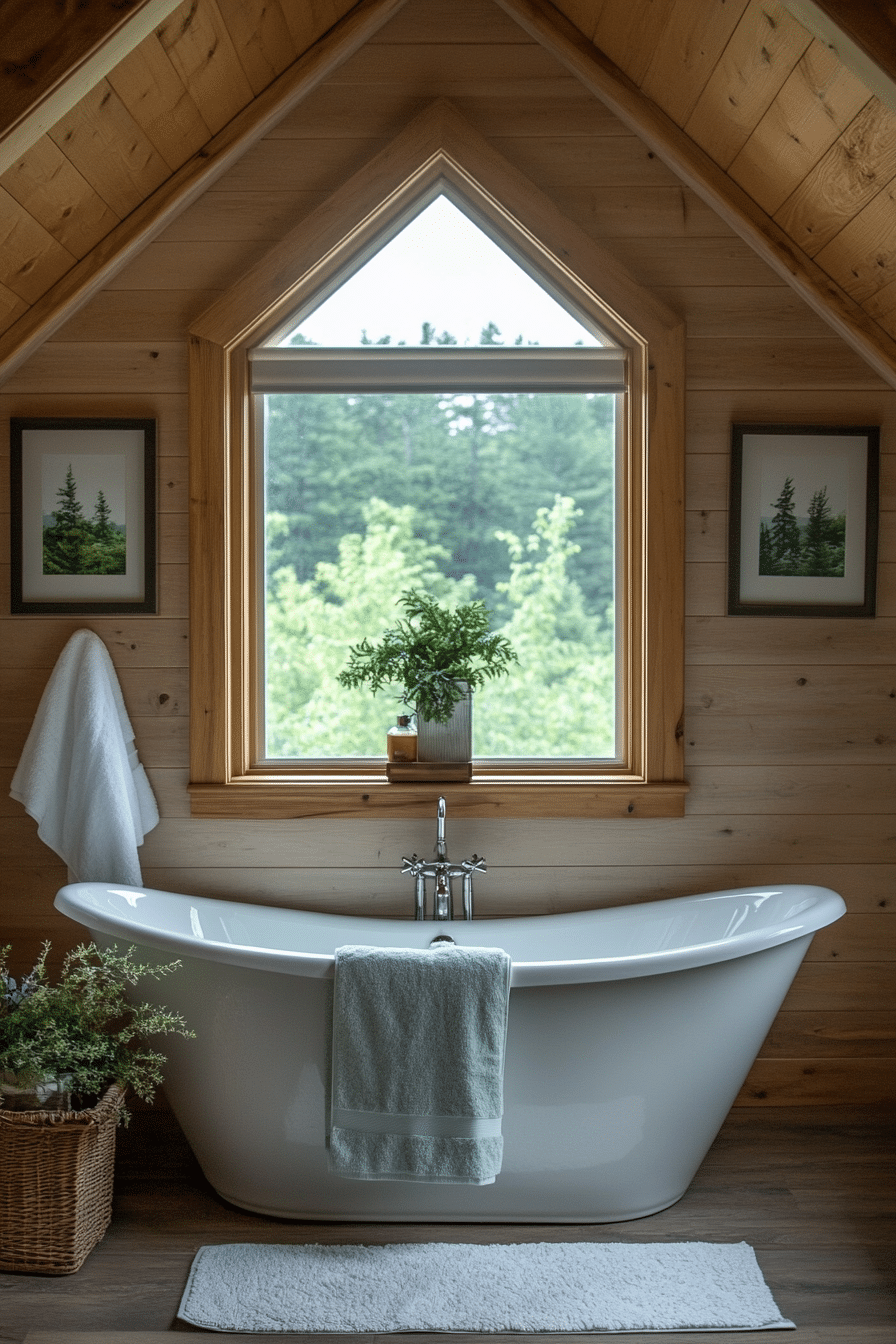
point(79, 775)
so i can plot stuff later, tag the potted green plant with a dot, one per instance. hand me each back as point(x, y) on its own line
point(439, 656)
point(73, 1039)
point(68, 1052)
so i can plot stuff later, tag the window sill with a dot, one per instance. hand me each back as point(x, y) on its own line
point(269, 797)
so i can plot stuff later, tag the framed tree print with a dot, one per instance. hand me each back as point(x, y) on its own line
point(802, 531)
point(83, 514)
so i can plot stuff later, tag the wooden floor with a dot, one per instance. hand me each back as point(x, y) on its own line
point(811, 1189)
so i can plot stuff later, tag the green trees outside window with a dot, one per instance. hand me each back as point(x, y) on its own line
point(503, 497)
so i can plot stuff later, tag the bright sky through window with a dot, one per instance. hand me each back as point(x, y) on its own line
point(444, 270)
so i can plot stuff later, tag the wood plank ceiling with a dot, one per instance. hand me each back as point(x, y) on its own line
point(781, 115)
point(792, 141)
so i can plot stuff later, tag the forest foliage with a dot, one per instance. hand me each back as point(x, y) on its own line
point(506, 498)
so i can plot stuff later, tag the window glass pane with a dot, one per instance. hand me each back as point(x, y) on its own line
point(504, 496)
point(441, 281)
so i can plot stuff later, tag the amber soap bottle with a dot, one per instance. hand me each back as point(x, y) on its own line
point(401, 740)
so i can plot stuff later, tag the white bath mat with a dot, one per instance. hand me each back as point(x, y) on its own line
point(569, 1286)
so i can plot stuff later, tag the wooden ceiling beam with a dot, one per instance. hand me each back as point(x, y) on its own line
point(547, 25)
point(871, 25)
point(868, 23)
point(860, 33)
point(114, 251)
point(52, 54)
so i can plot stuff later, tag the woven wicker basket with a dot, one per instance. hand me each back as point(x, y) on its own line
point(56, 1185)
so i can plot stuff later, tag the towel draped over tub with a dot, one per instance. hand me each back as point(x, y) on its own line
point(418, 1063)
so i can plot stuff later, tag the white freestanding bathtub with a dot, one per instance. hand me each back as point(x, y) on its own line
point(631, 1031)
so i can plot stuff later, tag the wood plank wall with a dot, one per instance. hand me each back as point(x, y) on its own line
point(791, 724)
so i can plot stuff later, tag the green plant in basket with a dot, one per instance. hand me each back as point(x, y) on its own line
point(83, 1029)
point(435, 654)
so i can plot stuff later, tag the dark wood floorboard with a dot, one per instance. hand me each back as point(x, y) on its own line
point(811, 1189)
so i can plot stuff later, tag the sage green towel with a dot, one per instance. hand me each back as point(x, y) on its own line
point(418, 1063)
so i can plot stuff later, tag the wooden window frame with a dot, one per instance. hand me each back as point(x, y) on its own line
point(438, 153)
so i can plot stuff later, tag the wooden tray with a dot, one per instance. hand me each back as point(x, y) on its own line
point(425, 772)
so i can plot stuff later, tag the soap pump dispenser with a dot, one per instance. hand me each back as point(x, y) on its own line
point(401, 740)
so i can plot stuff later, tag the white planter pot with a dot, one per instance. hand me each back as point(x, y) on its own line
point(48, 1094)
point(451, 741)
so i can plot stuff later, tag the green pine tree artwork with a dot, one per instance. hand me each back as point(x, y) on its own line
point(813, 546)
point(74, 543)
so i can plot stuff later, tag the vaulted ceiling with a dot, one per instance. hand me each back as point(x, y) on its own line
point(116, 114)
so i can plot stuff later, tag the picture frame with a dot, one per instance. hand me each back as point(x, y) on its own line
point(83, 515)
point(803, 520)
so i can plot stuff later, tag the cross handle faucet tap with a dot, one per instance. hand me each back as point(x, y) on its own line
point(441, 870)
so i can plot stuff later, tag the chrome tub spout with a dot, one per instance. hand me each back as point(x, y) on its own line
point(441, 848)
point(441, 870)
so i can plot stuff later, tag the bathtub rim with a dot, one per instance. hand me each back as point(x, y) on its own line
point(823, 906)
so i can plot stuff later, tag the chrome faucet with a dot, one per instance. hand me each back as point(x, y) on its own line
point(441, 850)
point(442, 870)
